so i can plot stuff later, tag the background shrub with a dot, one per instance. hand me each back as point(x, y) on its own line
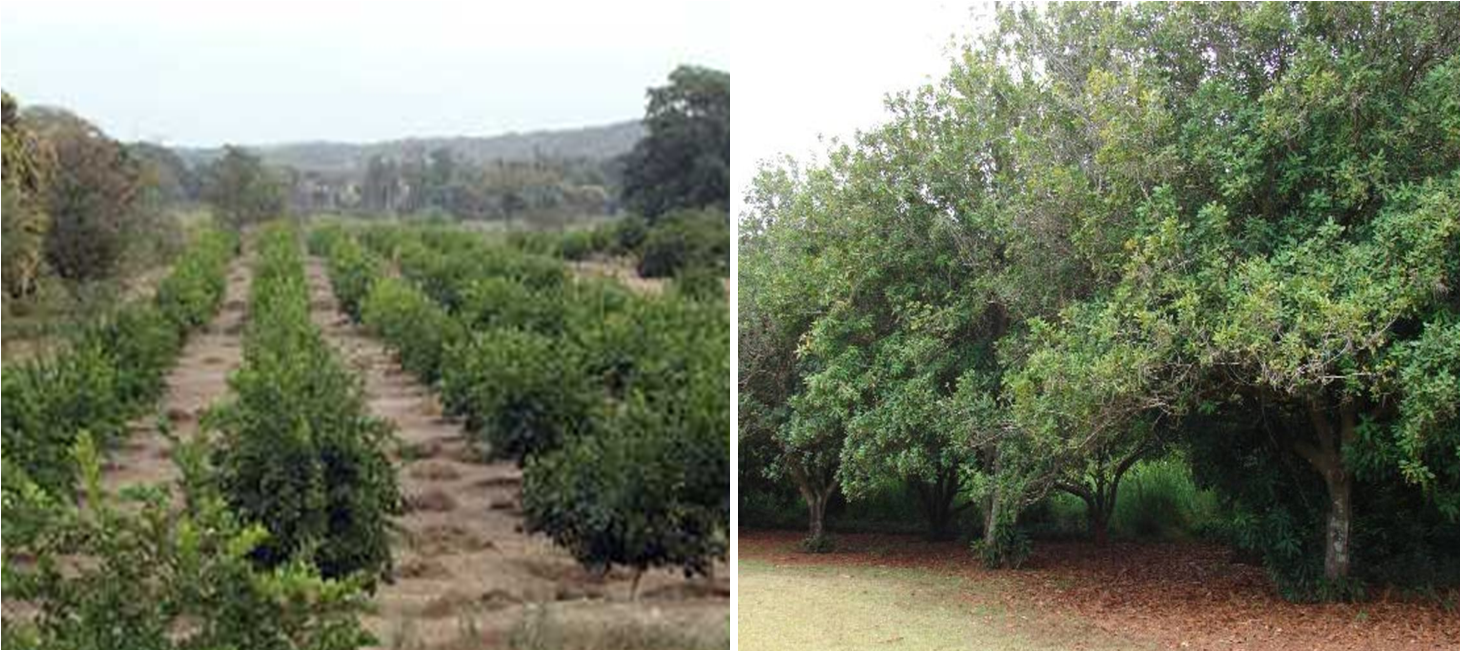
point(700, 283)
point(578, 244)
point(686, 239)
point(628, 235)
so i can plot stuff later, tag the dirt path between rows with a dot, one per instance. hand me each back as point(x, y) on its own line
point(465, 573)
point(197, 380)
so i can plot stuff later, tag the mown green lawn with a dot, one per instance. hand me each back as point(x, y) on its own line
point(855, 607)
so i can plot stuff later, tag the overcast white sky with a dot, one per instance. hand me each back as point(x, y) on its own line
point(806, 70)
point(201, 72)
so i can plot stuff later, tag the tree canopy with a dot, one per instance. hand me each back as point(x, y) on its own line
point(241, 190)
point(1108, 228)
point(28, 165)
point(684, 160)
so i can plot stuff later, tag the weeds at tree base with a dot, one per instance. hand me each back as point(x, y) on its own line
point(818, 544)
point(1010, 549)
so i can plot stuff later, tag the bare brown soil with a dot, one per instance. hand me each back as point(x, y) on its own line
point(465, 572)
point(196, 381)
point(1174, 595)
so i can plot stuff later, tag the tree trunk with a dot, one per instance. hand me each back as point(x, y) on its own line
point(1098, 520)
point(938, 503)
point(817, 505)
point(1327, 457)
point(1336, 534)
point(991, 516)
point(1099, 505)
point(991, 502)
point(938, 518)
point(815, 493)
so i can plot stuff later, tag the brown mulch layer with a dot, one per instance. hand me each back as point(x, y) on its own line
point(1174, 595)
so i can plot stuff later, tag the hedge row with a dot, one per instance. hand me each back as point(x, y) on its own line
point(112, 371)
point(352, 268)
point(298, 452)
point(579, 382)
point(550, 355)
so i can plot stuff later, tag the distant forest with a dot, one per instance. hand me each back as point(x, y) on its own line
point(81, 206)
point(548, 177)
point(600, 142)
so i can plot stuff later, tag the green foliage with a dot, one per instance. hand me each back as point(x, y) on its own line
point(298, 452)
point(191, 293)
point(414, 325)
point(241, 190)
point(684, 240)
point(628, 234)
point(48, 401)
point(352, 267)
point(157, 577)
point(622, 236)
point(581, 496)
point(1008, 548)
point(444, 265)
point(540, 243)
point(501, 302)
point(654, 346)
point(576, 381)
point(684, 160)
point(1159, 499)
point(28, 166)
point(700, 284)
point(521, 391)
point(142, 344)
point(1090, 224)
point(1420, 444)
point(579, 244)
point(110, 372)
point(91, 199)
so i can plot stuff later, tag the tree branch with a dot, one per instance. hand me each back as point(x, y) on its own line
point(1076, 490)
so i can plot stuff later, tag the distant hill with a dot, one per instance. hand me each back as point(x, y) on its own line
point(600, 142)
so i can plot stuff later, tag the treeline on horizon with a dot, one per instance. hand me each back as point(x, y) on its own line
point(545, 179)
point(81, 207)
